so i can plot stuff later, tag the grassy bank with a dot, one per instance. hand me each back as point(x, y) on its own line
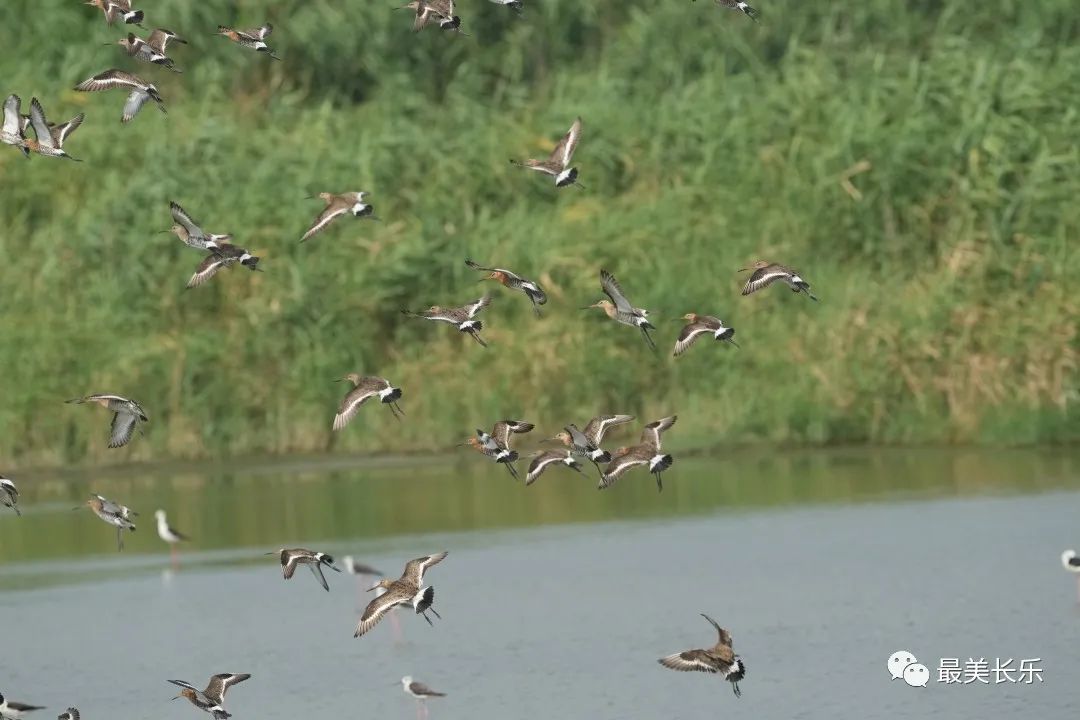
point(917, 161)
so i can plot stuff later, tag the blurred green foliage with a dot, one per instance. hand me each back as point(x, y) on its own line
point(916, 160)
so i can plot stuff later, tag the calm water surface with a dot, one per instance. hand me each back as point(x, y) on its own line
point(556, 599)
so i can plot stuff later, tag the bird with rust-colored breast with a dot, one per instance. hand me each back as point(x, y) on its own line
point(765, 273)
point(463, 318)
point(513, 281)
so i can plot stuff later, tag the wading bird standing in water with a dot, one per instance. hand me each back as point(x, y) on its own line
point(720, 658)
point(170, 535)
point(1071, 563)
point(421, 692)
point(11, 710)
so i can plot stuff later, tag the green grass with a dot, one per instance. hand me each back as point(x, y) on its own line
point(948, 313)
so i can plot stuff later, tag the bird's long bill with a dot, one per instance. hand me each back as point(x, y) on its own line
point(400, 412)
point(272, 552)
point(550, 439)
point(590, 307)
point(177, 697)
point(744, 269)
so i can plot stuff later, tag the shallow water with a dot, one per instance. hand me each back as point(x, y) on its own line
point(556, 599)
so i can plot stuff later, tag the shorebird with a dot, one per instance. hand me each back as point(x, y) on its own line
point(541, 462)
point(513, 281)
point(169, 534)
point(618, 308)
point(9, 494)
point(421, 692)
point(1071, 563)
point(646, 452)
point(115, 508)
point(190, 232)
point(699, 325)
point(440, 11)
point(50, 137)
point(355, 567)
point(586, 443)
point(365, 388)
point(254, 38)
point(766, 273)
point(720, 658)
point(496, 444)
point(740, 5)
point(290, 558)
point(558, 163)
point(69, 714)
point(461, 317)
point(113, 514)
point(118, 10)
point(406, 590)
point(211, 699)
point(127, 414)
point(151, 50)
point(11, 710)
point(222, 256)
point(13, 131)
point(516, 5)
point(140, 92)
point(336, 206)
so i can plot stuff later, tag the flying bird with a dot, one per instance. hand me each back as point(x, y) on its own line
point(766, 273)
point(647, 452)
point(407, 590)
point(336, 206)
point(211, 699)
point(69, 714)
point(140, 90)
point(365, 388)
point(13, 131)
point(118, 10)
point(463, 318)
point(254, 38)
point(223, 255)
point(720, 658)
point(698, 325)
point(50, 137)
point(558, 163)
point(513, 281)
point(112, 513)
point(586, 443)
point(190, 232)
point(437, 11)
point(12, 710)
point(516, 5)
point(9, 495)
point(618, 308)
point(151, 50)
point(740, 5)
point(315, 561)
point(543, 460)
point(496, 444)
point(127, 414)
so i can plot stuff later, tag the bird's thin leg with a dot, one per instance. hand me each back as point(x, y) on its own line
point(436, 612)
point(419, 711)
point(659, 483)
point(512, 469)
point(648, 339)
point(476, 336)
point(174, 556)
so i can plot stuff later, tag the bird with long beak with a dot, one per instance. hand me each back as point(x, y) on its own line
point(586, 443)
point(766, 273)
point(118, 10)
point(112, 513)
point(463, 318)
point(619, 309)
point(699, 325)
point(557, 165)
point(407, 590)
point(151, 50)
point(337, 205)
point(513, 281)
point(190, 232)
point(365, 388)
point(211, 699)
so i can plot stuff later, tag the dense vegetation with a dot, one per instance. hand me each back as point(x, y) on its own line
point(917, 160)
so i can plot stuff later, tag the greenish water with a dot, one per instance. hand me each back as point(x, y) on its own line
point(269, 502)
point(557, 599)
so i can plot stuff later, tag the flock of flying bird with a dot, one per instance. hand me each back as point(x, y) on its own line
point(409, 589)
